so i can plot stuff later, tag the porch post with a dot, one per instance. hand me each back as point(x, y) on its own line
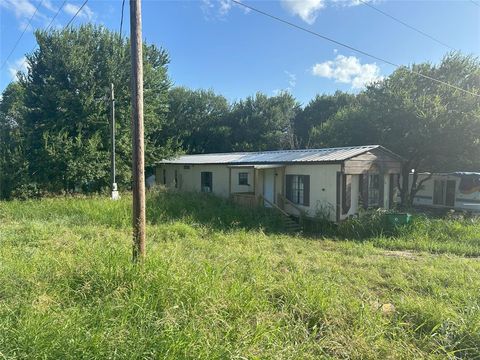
point(354, 191)
point(229, 181)
point(339, 196)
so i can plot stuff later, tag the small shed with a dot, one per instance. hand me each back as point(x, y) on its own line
point(329, 182)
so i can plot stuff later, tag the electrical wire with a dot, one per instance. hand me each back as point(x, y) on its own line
point(352, 48)
point(51, 22)
point(406, 25)
point(55, 16)
point(21, 35)
point(74, 16)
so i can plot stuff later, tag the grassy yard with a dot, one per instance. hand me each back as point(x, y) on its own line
point(226, 283)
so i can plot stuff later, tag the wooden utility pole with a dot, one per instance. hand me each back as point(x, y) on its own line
point(137, 131)
point(115, 194)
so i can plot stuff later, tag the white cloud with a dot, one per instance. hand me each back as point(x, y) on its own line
point(48, 5)
point(219, 8)
point(292, 79)
point(225, 6)
point(292, 82)
point(72, 9)
point(25, 9)
point(348, 70)
point(18, 65)
point(21, 8)
point(308, 10)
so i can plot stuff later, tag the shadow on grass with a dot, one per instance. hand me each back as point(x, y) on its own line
point(211, 211)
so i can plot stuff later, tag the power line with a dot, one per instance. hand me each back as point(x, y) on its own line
point(51, 21)
point(352, 48)
point(405, 24)
point(55, 16)
point(21, 35)
point(74, 16)
point(474, 2)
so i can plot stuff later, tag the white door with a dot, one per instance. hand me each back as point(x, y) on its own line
point(268, 186)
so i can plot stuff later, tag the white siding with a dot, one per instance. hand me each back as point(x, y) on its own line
point(323, 187)
point(189, 177)
point(236, 187)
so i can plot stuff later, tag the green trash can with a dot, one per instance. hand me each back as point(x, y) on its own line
point(398, 219)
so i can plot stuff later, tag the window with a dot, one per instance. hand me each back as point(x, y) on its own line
point(298, 189)
point(206, 181)
point(243, 178)
point(373, 190)
point(346, 193)
point(164, 177)
point(186, 167)
point(444, 192)
point(439, 192)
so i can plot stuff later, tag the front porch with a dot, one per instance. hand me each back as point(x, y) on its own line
point(252, 185)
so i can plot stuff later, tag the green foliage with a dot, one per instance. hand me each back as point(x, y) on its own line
point(62, 134)
point(54, 130)
point(13, 163)
point(263, 123)
point(368, 224)
point(433, 127)
point(197, 121)
point(212, 211)
point(309, 122)
point(438, 235)
point(216, 290)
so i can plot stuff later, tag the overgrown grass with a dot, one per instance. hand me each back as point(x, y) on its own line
point(219, 283)
point(460, 236)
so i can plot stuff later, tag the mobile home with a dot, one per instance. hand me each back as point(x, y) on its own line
point(335, 182)
point(458, 190)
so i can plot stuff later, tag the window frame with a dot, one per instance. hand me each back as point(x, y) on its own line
point(204, 175)
point(299, 191)
point(243, 179)
point(443, 193)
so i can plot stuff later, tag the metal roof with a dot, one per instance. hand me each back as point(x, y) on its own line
point(276, 157)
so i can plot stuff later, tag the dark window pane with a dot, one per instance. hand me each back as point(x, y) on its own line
point(243, 178)
point(298, 189)
point(206, 181)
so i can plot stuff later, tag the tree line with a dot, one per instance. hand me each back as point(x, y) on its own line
point(54, 121)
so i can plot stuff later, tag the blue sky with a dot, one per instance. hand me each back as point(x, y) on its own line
point(219, 45)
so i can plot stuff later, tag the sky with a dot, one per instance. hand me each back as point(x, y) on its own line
point(218, 45)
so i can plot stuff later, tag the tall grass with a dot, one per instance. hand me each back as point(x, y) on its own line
point(219, 283)
point(459, 236)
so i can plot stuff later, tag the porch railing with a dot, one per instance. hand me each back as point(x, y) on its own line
point(245, 199)
point(284, 201)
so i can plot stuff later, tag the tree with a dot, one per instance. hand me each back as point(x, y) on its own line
point(432, 126)
point(66, 120)
point(13, 164)
point(263, 123)
point(197, 121)
point(309, 121)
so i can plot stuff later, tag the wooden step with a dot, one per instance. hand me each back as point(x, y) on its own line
point(290, 224)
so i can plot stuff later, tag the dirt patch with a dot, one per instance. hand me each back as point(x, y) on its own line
point(413, 255)
point(401, 254)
